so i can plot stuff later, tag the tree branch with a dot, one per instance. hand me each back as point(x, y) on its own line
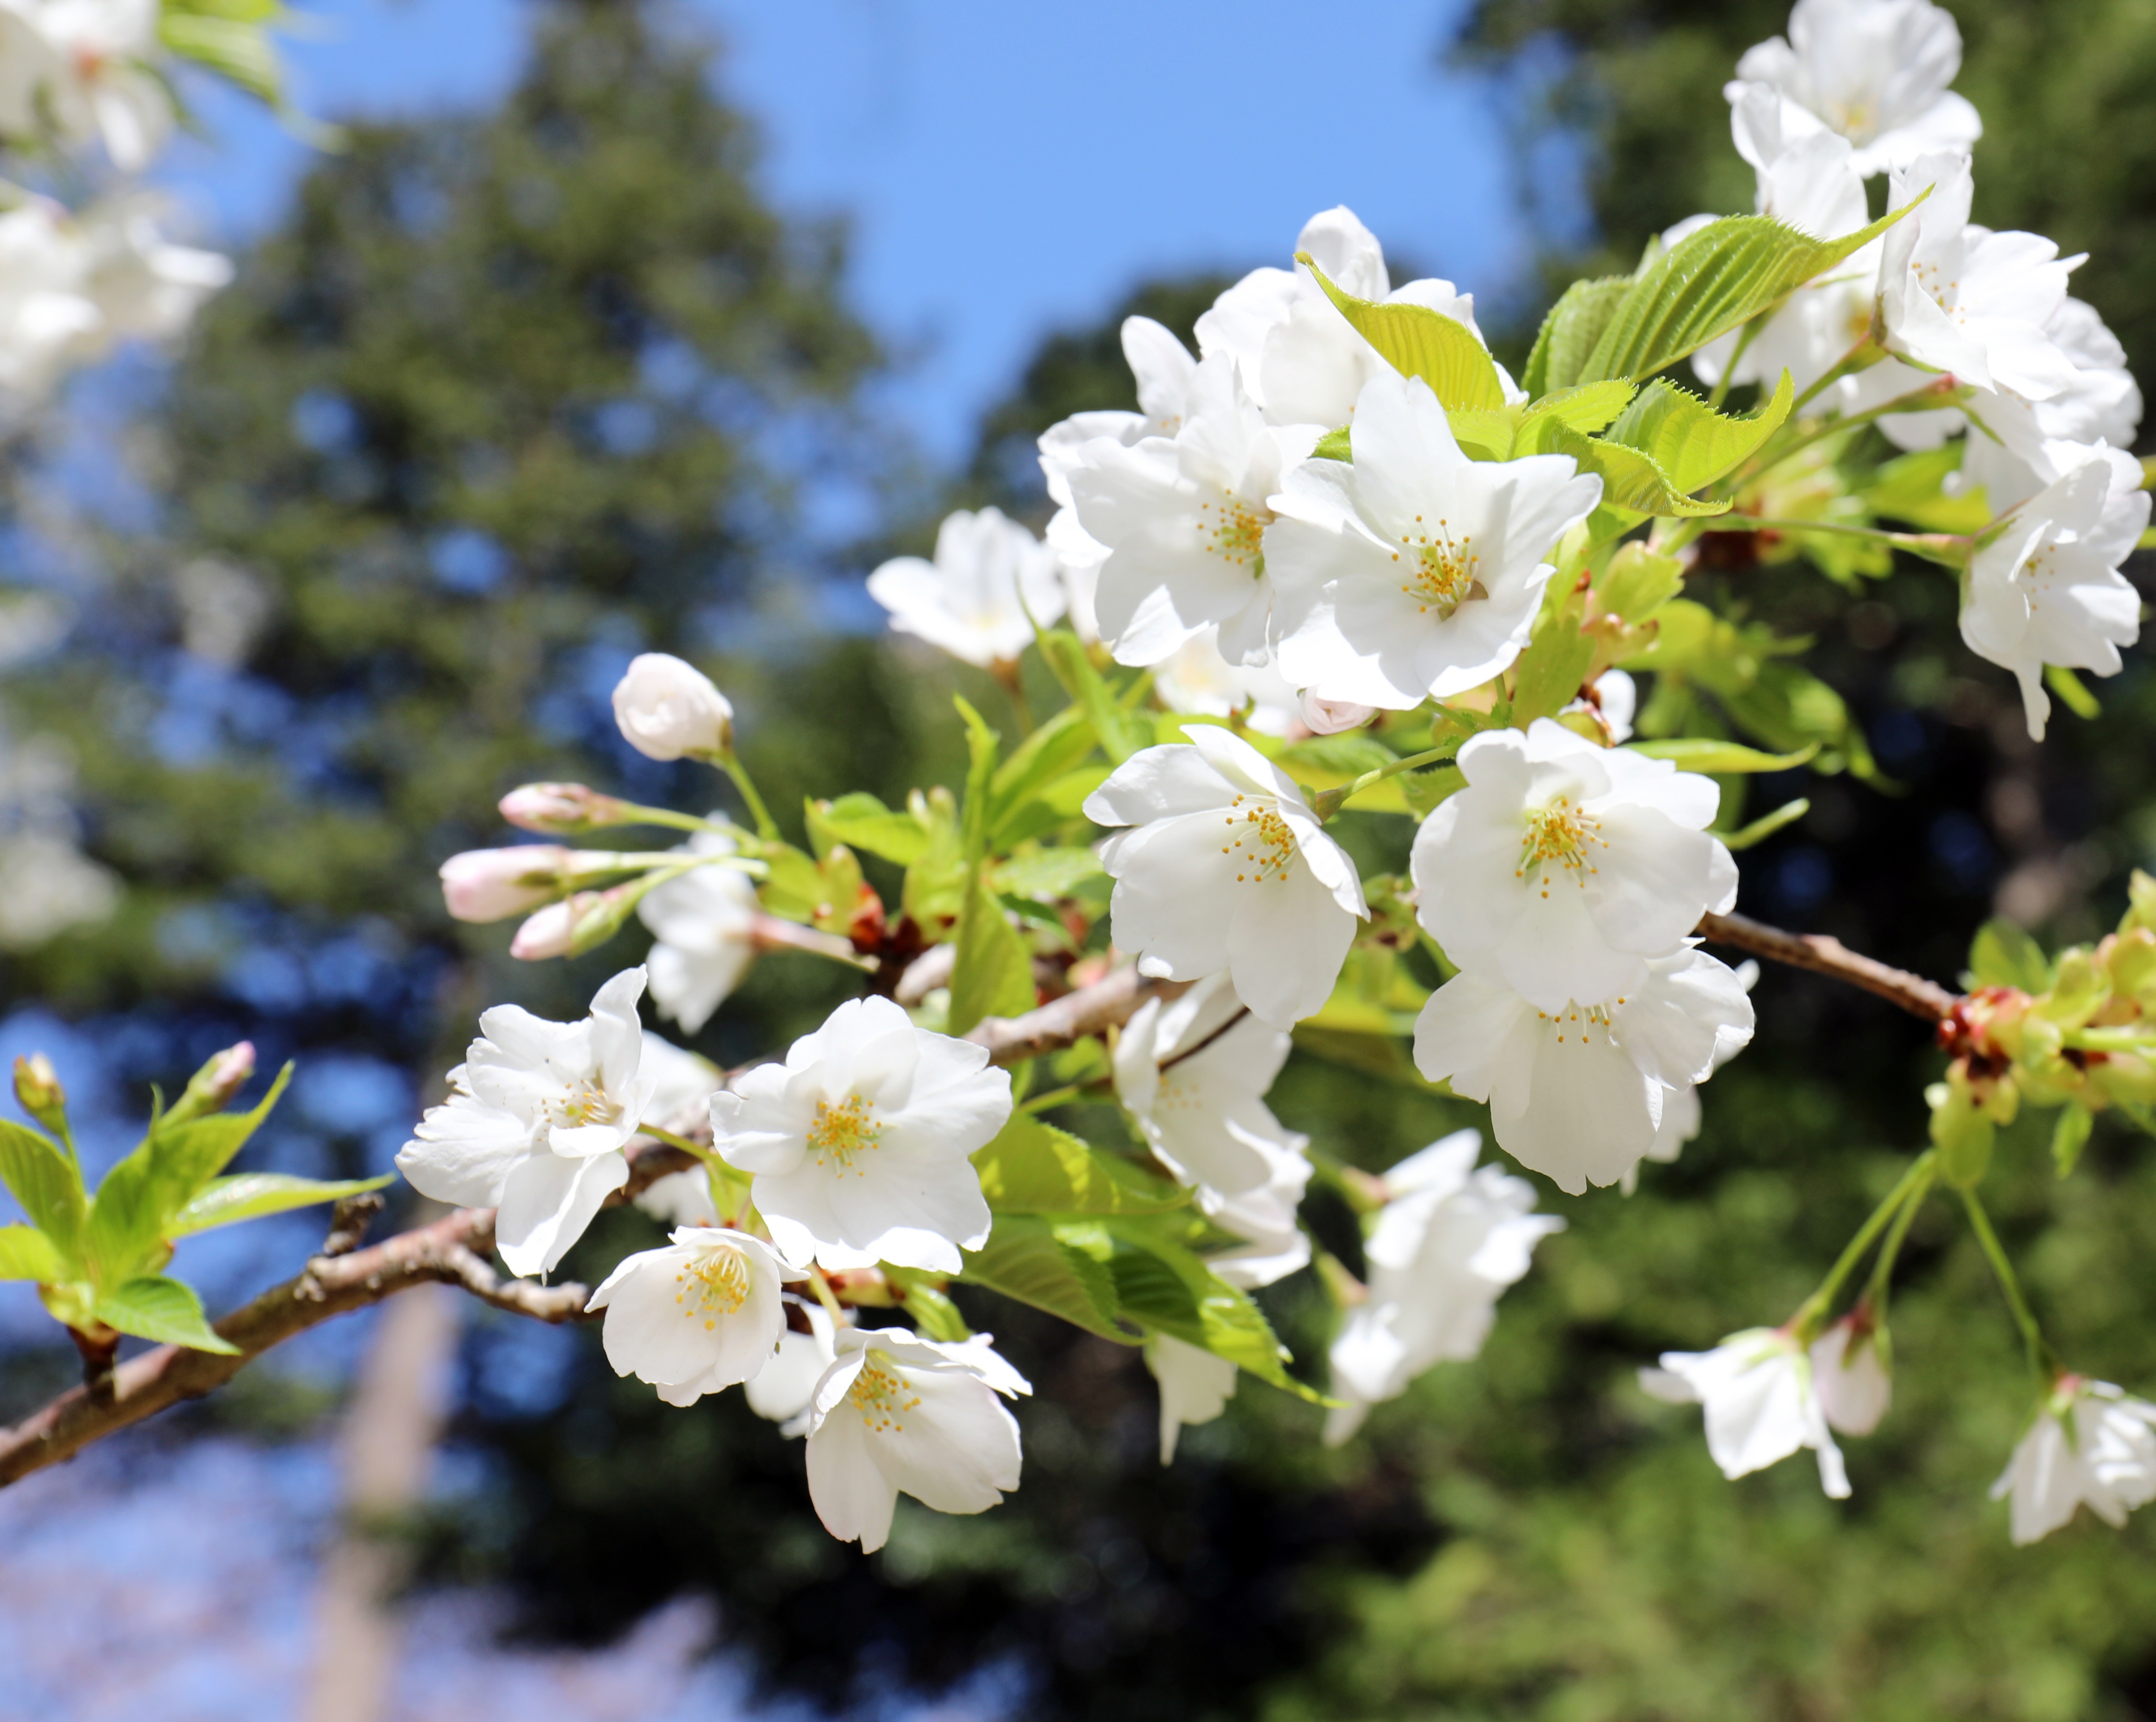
point(1826, 956)
point(453, 1251)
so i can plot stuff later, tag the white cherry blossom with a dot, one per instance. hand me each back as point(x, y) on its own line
point(1414, 571)
point(1184, 519)
point(1960, 299)
point(897, 1414)
point(667, 709)
point(1850, 1375)
point(1449, 1240)
point(1226, 868)
point(2019, 446)
point(1578, 1093)
point(857, 1145)
point(703, 925)
point(1876, 72)
point(990, 575)
point(1274, 1245)
point(536, 1123)
point(780, 1391)
point(1761, 1403)
point(81, 70)
point(1197, 678)
point(1205, 1116)
point(1195, 1387)
point(697, 1316)
point(2047, 589)
point(1562, 867)
point(2105, 1460)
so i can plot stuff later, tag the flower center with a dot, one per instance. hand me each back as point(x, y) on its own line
point(1563, 834)
point(844, 1130)
point(1263, 845)
point(1446, 569)
point(582, 1102)
point(882, 1398)
point(715, 1283)
point(1235, 532)
point(1579, 1021)
point(1945, 294)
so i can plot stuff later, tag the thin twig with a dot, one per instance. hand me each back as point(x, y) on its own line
point(1241, 1012)
point(1826, 956)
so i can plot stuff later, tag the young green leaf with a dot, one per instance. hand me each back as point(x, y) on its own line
point(45, 1182)
point(1044, 874)
point(934, 1314)
point(1637, 582)
point(1419, 342)
point(2069, 1136)
point(993, 976)
point(1688, 439)
point(1335, 445)
point(1566, 340)
point(184, 1157)
point(2002, 954)
point(248, 1195)
point(1027, 1259)
point(1034, 1168)
point(981, 742)
point(27, 1253)
point(1557, 659)
point(1631, 480)
point(1588, 407)
point(152, 1307)
point(1707, 283)
point(861, 822)
point(1058, 747)
point(1704, 754)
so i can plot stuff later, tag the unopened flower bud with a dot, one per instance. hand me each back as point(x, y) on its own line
point(668, 710)
point(38, 1090)
point(549, 932)
point(211, 1089)
point(562, 809)
point(1850, 1374)
point(493, 885)
point(1334, 717)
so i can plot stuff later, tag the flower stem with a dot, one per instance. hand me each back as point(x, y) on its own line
point(1867, 353)
point(1950, 549)
point(766, 826)
point(1931, 398)
point(825, 1296)
point(701, 1150)
point(1816, 1308)
point(2042, 1362)
point(1327, 802)
point(1878, 1288)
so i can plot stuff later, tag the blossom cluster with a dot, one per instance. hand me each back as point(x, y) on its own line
point(1341, 561)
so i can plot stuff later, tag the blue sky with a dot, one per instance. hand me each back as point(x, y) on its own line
point(1007, 168)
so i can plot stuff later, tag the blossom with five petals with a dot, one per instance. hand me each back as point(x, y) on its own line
point(780, 1391)
point(703, 925)
point(990, 582)
point(81, 68)
point(896, 1413)
point(1578, 1093)
point(1197, 678)
point(2090, 1444)
point(1450, 1239)
point(2047, 589)
point(1562, 867)
point(1876, 72)
point(697, 1316)
point(1225, 867)
point(1761, 1402)
point(537, 1118)
point(857, 1145)
point(1414, 571)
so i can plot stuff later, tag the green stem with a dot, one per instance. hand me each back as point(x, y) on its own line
point(1931, 398)
point(2042, 1362)
point(1878, 1288)
point(766, 826)
point(1054, 1097)
point(1867, 353)
point(1729, 371)
point(636, 814)
point(2109, 1040)
point(700, 1150)
point(1327, 802)
point(1007, 672)
point(1949, 549)
point(1812, 1315)
point(825, 1296)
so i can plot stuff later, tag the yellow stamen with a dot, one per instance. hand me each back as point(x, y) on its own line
point(845, 1131)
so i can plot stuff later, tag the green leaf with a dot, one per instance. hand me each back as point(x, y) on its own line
point(1688, 439)
point(936, 884)
point(1759, 830)
point(1485, 433)
point(27, 1253)
point(1034, 1168)
point(1335, 445)
point(152, 1307)
point(1121, 733)
point(1704, 754)
point(1567, 338)
point(248, 1195)
point(980, 772)
point(792, 889)
point(1631, 480)
point(861, 822)
point(1909, 490)
point(2073, 692)
point(125, 1226)
point(184, 1157)
point(232, 49)
point(1049, 754)
point(1418, 341)
point(1590, 407)
point(46, 1183)
point(2069, 1136)
point(993, 977)
point(1422, 791)
point(935, 1316)
point(2002, 954)
point(1558, 657)
point(1707, 283)
point(1637, 582)
point(1169, 1287)
point(1044, 874)
point(1027, 1259)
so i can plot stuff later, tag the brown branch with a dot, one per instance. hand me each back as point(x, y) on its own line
point(452, 1251)
point(1829, 957)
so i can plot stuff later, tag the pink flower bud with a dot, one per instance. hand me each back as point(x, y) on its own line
point(38, 1089)
point(1330, 717)
point(492, 885)
point(667, 709)
point(550, 931)
point(560, 809)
